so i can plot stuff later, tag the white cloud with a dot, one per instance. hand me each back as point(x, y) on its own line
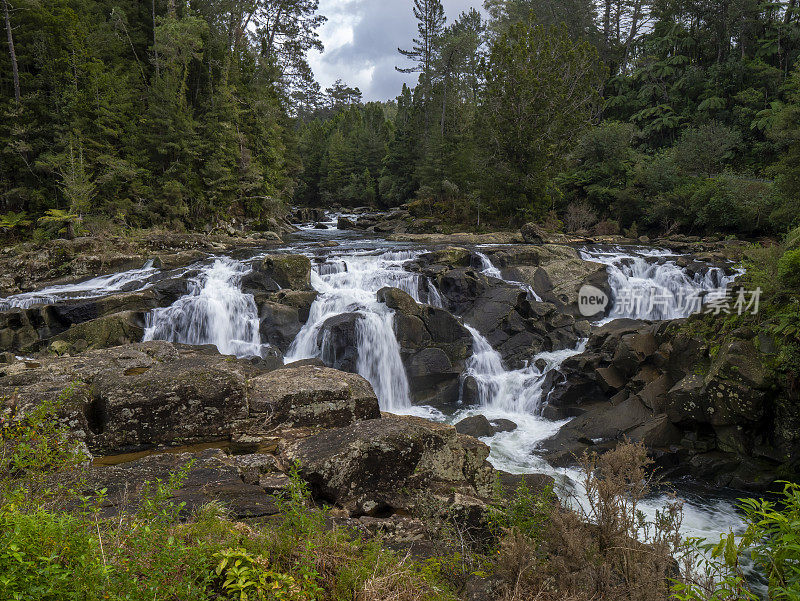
point(361, 39)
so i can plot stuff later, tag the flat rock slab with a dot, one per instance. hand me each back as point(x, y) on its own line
point(208, 478)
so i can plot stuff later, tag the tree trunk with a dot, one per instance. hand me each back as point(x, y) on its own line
point(637, 14)
point(12, 52)
point(155, 51)
point(607, 23)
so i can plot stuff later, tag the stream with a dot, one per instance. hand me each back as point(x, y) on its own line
point(347, 278)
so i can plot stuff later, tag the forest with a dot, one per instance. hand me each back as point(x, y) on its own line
point(611, 116)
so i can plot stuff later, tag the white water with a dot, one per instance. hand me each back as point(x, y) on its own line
point(127, 281)
point(348, 284)
point(519, 396)
point(215, 311)
point(488, 269)
point(655, 289)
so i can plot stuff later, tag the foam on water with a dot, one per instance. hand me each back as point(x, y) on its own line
point(349, 284)
point(649, 284)
point(127, 281)
point(215, 311)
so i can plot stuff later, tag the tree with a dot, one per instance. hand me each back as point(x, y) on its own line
point(542, 89)
point(430, 24)
point(286, 31)
point(577, 15)
point(11, 51)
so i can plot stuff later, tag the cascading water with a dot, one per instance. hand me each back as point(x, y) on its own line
point(519, 396)
point(349, 284)
point(488, 269)
point(126, 281)
point(646, 284)
point(520, 391)
point(215, 311)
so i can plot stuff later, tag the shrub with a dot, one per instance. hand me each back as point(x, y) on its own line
point(789, 269)
point(771, 539)
point(596, 546)
point(579, 216)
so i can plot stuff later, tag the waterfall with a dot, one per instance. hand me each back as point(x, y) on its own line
point(133, 280)
point(215, 311)
point(348, 284)
point(520, 391)
point(379, 360)
point(645, 284)
point(488, 269)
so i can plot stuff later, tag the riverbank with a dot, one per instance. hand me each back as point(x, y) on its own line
point(249, 352)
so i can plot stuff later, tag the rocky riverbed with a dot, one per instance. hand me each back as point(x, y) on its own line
point(352, 345)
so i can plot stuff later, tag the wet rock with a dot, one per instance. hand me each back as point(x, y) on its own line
point(503, 425)
point(279, 324)
point(338, 339)
point(606, 425)
point(345, 224)
point(401, 301)
point(391, 465)
point(306, 215)
point(477, 426)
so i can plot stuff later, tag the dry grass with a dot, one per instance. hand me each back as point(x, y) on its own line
point(600, 547)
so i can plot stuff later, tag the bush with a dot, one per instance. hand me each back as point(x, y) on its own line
point(706, 149)
point(579, 216)
point(597, 545)
point(789, 269)
point(771, 540)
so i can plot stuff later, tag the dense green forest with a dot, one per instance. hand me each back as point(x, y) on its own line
point(621, 115)
point(610, 115)
point(151, 112)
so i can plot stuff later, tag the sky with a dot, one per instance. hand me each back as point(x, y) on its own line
point(361, 39)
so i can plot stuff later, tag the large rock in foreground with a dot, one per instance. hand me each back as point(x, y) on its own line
point(386, 466)
point(156, 394)
point(317, 397)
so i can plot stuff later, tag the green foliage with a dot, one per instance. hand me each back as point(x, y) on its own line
point(14, 220)
point(527, 512)
point(541, 90)
point(160, 113)
point(248, 579)
point(772, 539)
point(789, 269)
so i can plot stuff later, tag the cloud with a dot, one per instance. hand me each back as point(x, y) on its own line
point(361, 40)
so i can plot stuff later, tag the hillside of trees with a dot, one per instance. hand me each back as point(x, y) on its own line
point(150, 112)
point(603, 115)
point(620, 115)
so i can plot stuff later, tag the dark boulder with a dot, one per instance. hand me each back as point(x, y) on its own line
point(385, 466)
point(338, 339)
point(477, 426)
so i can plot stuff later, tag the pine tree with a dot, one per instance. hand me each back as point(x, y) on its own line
point(430, 25)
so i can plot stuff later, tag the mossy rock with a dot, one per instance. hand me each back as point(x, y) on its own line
point(105, 332)
point(288, 271)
